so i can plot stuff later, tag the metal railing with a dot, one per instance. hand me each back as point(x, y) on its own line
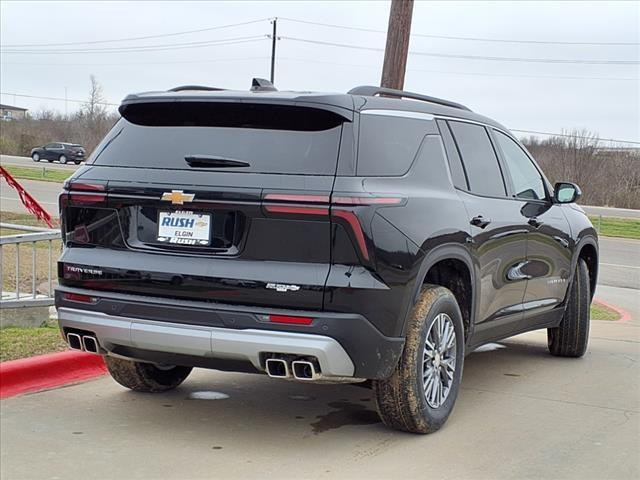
point(20, 242)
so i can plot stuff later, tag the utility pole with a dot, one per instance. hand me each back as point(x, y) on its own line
point(395, 53)
point(273, 49)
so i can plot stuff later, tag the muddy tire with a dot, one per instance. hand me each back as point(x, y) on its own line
point(145, 377)
point(409, 400)
point(571, 337)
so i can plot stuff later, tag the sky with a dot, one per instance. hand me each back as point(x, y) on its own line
point(592, 82)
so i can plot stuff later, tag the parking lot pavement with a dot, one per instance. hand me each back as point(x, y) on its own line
point(521, 414)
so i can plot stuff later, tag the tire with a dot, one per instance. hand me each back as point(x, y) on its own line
point(401, 399)
point(145, 377)
point(570, 338)
point(76, 162)
point(35, 157)
point(62, 159)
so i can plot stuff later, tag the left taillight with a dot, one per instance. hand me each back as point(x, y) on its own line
point(83, 193)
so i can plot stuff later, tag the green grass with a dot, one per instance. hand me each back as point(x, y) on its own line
point(600, 312)
point(617, 227)
point(27, 342)
point(39, 173)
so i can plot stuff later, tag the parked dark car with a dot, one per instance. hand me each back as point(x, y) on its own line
point(62, 152)
point(377, 235)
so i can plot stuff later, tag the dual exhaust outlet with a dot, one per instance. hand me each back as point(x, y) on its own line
point(304, 370)
point(84, 343)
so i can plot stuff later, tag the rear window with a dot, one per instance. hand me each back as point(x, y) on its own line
point(270, 138)
point(388, 144)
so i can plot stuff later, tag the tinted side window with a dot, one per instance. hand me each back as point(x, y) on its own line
point(526, 179)
point(479, 159)
point(387, 145)
point(455, 164)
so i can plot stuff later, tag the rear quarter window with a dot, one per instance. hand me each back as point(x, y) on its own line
point(387, 145)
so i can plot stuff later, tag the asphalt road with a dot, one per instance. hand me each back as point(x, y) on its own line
point(521, 413)
point(28, 162)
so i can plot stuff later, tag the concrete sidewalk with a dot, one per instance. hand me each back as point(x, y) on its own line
point(521, 414)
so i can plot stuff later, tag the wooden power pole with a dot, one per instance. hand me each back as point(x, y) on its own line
point(395, 53)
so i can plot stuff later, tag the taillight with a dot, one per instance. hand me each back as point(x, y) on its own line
point(342, 206)
point(84, 193)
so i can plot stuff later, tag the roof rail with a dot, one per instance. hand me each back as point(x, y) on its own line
point(262, 85)
point(371, 91)
point(182, 88)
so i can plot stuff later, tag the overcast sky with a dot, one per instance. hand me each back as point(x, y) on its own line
point(603, 98)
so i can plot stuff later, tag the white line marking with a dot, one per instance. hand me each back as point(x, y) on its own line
point(18, 200)
point(617, 265)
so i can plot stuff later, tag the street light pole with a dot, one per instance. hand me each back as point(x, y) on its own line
point(397, 49)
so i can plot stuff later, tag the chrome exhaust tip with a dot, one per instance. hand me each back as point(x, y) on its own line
point(75, 341)
point(277, 368)
point(304, 370)
point(90, 344)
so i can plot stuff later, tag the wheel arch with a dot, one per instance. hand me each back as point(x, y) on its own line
point(435, 269)
point(587, 250)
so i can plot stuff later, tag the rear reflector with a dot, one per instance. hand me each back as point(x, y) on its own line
point(289, 320)
point(76, 297)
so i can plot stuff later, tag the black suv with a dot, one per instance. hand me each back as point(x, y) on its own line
point(377, 235)
point(63, 152)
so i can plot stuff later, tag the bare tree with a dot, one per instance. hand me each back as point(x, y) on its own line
point(95, 107)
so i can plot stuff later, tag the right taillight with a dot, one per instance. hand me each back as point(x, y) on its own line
point(342, 208)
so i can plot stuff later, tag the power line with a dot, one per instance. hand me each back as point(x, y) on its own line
point(612, 140)
point(460, 73)
point(470, 57)
point(147, 48)
point(170, 62)
point(474, 39)
point(56, 98)
point(147, 37)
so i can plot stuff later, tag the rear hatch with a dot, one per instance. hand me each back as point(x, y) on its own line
point(198, 200)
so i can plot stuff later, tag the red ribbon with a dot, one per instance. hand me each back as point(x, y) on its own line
point(28, 201)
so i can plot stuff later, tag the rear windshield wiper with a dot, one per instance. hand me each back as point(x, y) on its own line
point(208, 161)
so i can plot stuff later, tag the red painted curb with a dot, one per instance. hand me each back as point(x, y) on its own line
point(48, 371)
point(624, 315)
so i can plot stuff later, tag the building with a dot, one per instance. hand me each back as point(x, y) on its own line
point(7, 112)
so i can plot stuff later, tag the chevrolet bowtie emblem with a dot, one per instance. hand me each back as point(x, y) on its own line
point(177, 197)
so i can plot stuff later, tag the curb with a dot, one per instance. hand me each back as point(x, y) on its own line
point(624, 315)
point(48, 371)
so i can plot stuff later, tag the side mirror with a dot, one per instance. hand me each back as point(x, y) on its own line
point(566, 192)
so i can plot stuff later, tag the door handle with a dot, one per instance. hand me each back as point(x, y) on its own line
point(480, 221)
point(534, 222)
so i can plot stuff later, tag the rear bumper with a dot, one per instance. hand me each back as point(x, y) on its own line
point(226, 336)
point(200, 341)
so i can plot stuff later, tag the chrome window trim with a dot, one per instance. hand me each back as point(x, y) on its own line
point(398, 113)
